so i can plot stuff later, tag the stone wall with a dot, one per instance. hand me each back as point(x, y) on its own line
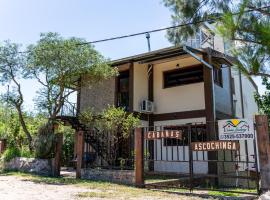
point(116, 176)
point(30, 165)
point(97, 95)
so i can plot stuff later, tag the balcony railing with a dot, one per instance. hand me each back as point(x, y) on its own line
point(68, 109)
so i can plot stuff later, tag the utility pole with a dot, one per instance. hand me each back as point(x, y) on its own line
point(147, 35)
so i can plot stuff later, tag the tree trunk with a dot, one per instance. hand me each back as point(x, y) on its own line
point(25, 130)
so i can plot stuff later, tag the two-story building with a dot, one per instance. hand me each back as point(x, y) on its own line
point(175, 86)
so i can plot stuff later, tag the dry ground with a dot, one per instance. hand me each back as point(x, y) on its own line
point(17, 186)
point(26, 187)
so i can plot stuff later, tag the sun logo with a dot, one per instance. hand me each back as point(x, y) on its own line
point(235, 122)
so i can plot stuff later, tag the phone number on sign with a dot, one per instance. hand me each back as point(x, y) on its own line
point(236, 136)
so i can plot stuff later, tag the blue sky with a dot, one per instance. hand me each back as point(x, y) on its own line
point(22, 21)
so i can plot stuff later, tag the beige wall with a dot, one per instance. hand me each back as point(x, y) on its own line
point(140, 85)
point(166, 100)
point(179, 98)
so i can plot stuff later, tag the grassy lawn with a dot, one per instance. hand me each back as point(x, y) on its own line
point(106, 190)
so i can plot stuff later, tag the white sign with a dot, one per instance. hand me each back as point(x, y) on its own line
point(236, 129)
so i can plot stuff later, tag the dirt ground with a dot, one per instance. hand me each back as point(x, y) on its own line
point(21, 188)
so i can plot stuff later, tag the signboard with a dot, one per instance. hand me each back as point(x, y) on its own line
point(236, 129)
point(153, 135)
point(215, 146)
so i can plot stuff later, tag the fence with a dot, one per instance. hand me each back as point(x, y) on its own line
point(171, 162)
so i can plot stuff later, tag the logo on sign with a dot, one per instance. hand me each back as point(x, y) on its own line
point(235, 126)
point(236, 129)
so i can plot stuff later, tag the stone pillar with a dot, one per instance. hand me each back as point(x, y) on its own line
point(139, 159)
point(264, 150)
point(57, 157)
point(80, 147)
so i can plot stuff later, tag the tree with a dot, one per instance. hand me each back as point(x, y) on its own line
point(12, 69)
point(245, 22)
point(58, 63)
point(263, 100)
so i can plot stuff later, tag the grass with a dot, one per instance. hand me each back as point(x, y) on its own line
point(107, 190)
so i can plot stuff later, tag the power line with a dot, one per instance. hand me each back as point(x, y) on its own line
point(158, 30)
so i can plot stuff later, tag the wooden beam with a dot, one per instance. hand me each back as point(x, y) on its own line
point(57, 157)
point(139, 159)
point(210, 112)
point(264, 150)
point(80, 147)
point(179, 115)
point(131, 86)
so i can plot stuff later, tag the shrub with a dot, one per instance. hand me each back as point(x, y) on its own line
point(68, 146)
point(25, 152)
point(45, 142)
point(10, 153)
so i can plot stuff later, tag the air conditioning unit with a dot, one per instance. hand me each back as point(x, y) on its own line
point(147, 106)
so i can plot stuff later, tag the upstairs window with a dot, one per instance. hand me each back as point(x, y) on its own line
point(123, 90)
point(218, 76)
point(183, 76)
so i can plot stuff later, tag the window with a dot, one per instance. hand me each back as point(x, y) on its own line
point(123, 93)
point(198, 134)
point(233, 85)
point(218, 76)
point(183, 76)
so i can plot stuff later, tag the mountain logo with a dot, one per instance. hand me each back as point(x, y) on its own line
point(235, 126)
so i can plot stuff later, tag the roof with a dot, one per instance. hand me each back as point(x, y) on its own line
point(173, 52)
point(151, 56)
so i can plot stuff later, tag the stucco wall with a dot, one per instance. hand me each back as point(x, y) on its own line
point(140, 85)
point(97, 95)
point(179, 98)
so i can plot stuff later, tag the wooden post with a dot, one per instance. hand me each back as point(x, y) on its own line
point(57, 157)
point(75, 144)
point(80, 146)
point(2, 145)
point(264, 150)
point(139, 159)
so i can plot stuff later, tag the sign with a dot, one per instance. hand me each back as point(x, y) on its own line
point(153, 135)
point(236, 129)
point(215, 146)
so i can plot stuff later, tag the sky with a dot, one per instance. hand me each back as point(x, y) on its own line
point(22, 21)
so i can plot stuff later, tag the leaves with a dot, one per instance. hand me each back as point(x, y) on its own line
point(245, 22)
point(57, 63)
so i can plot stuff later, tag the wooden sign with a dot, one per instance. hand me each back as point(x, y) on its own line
point(215, 146)
point(153, 135)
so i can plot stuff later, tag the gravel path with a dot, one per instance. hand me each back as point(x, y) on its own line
point(16, 188)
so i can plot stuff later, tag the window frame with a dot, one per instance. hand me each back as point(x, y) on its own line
point(186, 69)
point(218, 75)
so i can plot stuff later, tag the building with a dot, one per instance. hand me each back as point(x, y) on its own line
point(178, 87)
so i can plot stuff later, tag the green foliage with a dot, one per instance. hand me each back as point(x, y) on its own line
point(263, 100)
point(10, 127)
point(249, 30)
point(45, 141)
point(57, 63)
point(10, 153)
point(87, 117)
point(118, 120)
point(68, 146)
point(115, 120)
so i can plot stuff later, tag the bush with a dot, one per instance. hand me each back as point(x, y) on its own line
point(24, 151)
point(45, 142)
point(68, 146)
point(10, 153)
